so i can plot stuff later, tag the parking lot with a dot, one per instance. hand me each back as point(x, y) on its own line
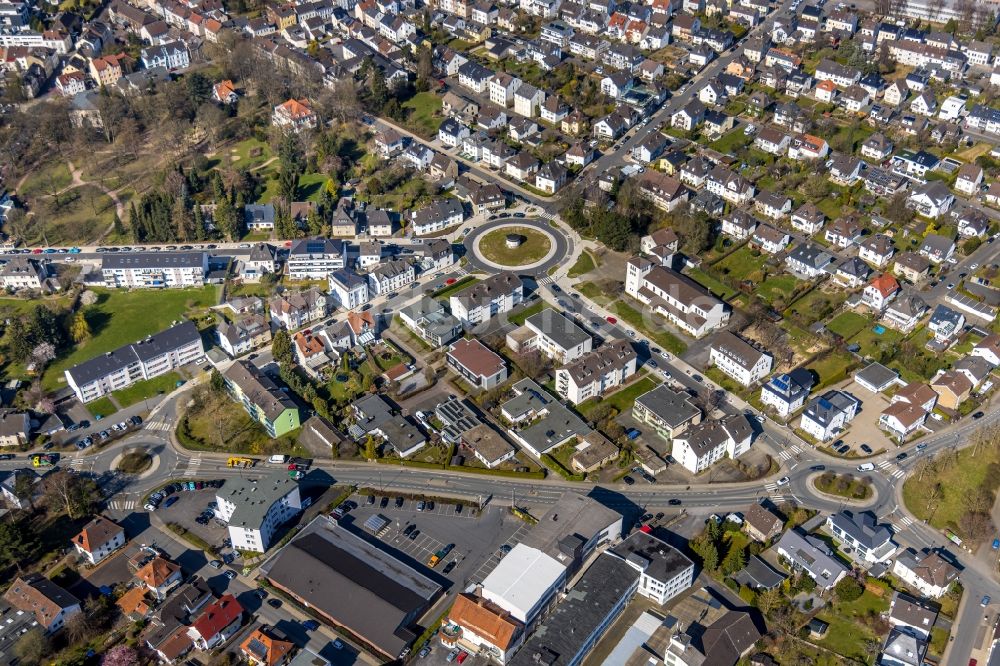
point(185, 510)
point(475, 539)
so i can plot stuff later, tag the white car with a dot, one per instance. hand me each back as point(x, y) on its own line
point(783, 481)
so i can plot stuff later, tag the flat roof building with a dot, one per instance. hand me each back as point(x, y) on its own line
point(354, 584)
point(255, 508)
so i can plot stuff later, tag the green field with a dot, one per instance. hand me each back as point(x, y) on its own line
point(831, 368)
point(777, 287)
point(741, 263)
point(522, 314)
point(848, 634)
point(732, 142)
point(713, 284)
point(870, 341)
point(593, 292)
point(533, 248)
point(847, 324)
point(954, 483)
point(453, 289)
point(816, 305)
point(423, 113)
point(120, 317)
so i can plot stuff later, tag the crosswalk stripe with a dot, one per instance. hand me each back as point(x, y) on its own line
point(884, 464)
point(898, 474)
point(906, 520)
point(777, 498)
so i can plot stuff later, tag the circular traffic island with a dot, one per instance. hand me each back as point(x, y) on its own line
point(514, 246)
point(136, 461)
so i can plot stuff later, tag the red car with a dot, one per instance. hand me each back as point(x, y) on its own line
point(462, 656)
point(612, 320)
point(450, 281)
point(37, 250)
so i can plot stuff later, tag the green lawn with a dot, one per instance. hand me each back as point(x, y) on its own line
point(847, 324)
point(423, 113)
point(101, 407)
point(593, 292)
point(847, 634)
point(831, 368)
point(453, 289)
point(713, 284)
point(777, 287)
point(522, 314)
point(584, 264)
point(830, 207)
point(634, 318)
point(240, 153)
point(816, 305)
point(732, 142)
point(120, 317)
point(621, 400)
point(741, 263)
point(533, 248)
point(147, 389)
point(870, 341)
point(45, 181)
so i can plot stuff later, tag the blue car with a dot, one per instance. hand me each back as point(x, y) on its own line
point(74, 250)
point(996, 544)
point(310, 625)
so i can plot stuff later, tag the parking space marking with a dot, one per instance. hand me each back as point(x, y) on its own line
point(487, 567)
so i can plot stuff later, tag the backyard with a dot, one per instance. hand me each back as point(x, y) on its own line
point(661, 336)
point(847, 324)
point(423, 113)
point(713, 284)
point(621, 400)
point(777, 289)
point(850, 632)
point(122, 317)
point(740, 263)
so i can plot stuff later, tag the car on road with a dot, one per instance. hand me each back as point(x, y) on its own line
point(230, 574)
point(611, 320)
point(867, 449)
point(628, 480)
point(310, 625)
point(274, 603)
point(631, 333)
point(817, 468)
point(985, 601)
point(783, 481)
point(674, 502)
point(921, 447)
point(977, 415)
point(903, 456)
point(651, 363)
point(973, 267)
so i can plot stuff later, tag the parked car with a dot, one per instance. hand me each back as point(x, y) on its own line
point(310, 625)
point(867, 449)
point(215, 564)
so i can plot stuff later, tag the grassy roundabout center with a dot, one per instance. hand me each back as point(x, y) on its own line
point(135, 461)
point(493, 246)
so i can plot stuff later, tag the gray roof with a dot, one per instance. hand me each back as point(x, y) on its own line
point(315, 246)
point(554, 428)
point(253, 497)
point(656, 557)
point(673, 407)
point(877, 374)
point(759, 574)
point(573, 515)
point(559, 328)
point(152, 260)
point(530, 396)
point(565, 634)
point(347, 279)
point(905, 648)
point(261, 252)
point(259, 388)
point(354, 582)
point(862, 527)
point(814, 555)
point(258, 213)
point(153, 346)
point(822, 409)
point(811, 255)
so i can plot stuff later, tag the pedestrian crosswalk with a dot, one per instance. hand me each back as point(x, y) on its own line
point(192, 466)
point(122, 505)
point(791, 452)
point(545, 280)
point(77, 462)
point(157, 425)
point(891, 470)
point(460, 272)
point(906, 521)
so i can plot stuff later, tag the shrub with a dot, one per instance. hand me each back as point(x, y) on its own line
point(848, 589)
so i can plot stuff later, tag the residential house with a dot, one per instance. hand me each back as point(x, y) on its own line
point(684, 302)
point(98, 539)
point(769, 240)
point(880, 291)
point(804, 552)
point(294, 115)
point(295, 309)
point(596, 372)
point(970, 177)
point(869, 542)
point(905, 311)
point(476, 363)
point(700, 446)
point(809, 261)
point(932, 199)
point(36, 595)
point(761, 523)
point(927, 572)
point(876, 249)
point(159, 576)
point(786, 393)
point(737, 358)
point(952, 387)
point(829, 414)
point(937, 248)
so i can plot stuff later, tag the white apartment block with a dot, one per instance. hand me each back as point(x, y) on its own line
point(480, 302)
point(159, 269)
point(701, 446)
point(390, 276)
point(684, 302)
point(315, 258)
point(596, 372)
point(348, 289)
point(739, 359)
point(552, 334)
point(256, 509)
point(141, 360)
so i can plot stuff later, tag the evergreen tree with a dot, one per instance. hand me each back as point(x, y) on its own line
point(119, 228)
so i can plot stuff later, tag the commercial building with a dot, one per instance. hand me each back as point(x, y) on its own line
point(597, 371)
point(528, 578)
point(354, 584)
point(135, 270)
point(552, 334)
point(255, 509)
point(572, 630)
point(262, 398)
point(374, 416)
point(148, 358)
point(477, 625)
point(476, 363)
point(553, 425)
point(480, 302)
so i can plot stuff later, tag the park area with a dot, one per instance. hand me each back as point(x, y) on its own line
point(532, 246)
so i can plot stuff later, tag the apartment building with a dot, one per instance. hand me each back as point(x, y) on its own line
point(151, 357)
point(476, 363)
point(256, 508)
point(315, 258)
point(262, 398)
point(553, 334)
point(684, 302)
point(739, 359)
point(390, 276)
point(701, 446)
point(479, 302)
point(596, 372)
point(138, 270)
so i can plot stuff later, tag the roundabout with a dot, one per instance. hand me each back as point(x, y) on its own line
point(528, 246)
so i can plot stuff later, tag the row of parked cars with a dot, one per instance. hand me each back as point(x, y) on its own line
point(118, 428)
point(160, 495)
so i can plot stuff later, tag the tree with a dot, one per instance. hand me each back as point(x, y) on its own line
point(74, 495)
point(768, 600)
point(281, 347)
point(42, 354)
point(734, 561)
point(32, 647)
point(217, 382)
point(18, 542)
point(849, 589)
point(118, 227)
point(896, 209)
point(121, 655)
point(79, 330)
point(708, 552)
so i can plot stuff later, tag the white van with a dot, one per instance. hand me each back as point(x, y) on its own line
point(278, 459)
point(867, 467)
